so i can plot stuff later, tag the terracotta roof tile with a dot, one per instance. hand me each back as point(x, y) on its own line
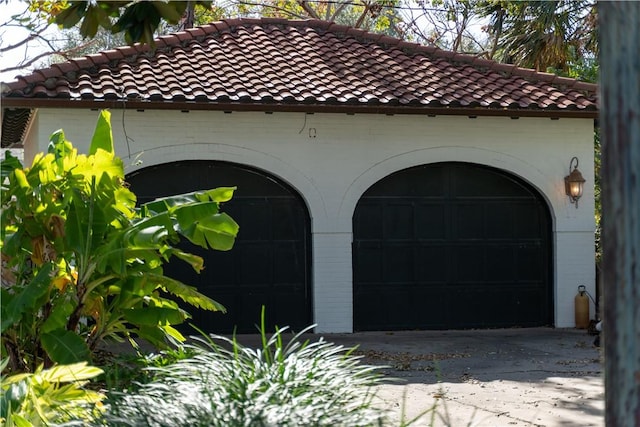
point(14, 124)
point(310, 63)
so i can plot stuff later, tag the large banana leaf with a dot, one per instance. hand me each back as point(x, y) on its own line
point(65, 347)
point(188, 294)
point(102, 136)
point(28, 299)
point(151, 316)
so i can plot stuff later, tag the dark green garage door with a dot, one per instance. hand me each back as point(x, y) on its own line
point(451, 245)
point(270, 262)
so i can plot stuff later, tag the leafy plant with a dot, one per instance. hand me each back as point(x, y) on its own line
point(49, 396)
point(126, 371)
point(227, 384)
point(81, 263)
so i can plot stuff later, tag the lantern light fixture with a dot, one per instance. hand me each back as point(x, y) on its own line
point(574, 182)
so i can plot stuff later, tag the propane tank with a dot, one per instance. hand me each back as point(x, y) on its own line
point(582, 308)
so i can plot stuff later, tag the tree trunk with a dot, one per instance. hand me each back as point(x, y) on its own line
point(620, 118)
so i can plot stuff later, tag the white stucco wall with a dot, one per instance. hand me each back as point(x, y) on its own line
point(331, 159)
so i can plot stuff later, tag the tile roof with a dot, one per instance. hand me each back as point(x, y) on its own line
point(280, 65)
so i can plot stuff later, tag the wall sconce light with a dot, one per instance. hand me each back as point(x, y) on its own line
point(574, 182)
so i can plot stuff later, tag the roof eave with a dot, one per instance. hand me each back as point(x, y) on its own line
point(135, 104)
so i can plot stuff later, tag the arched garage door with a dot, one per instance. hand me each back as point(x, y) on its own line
point(451, 245)
point(270, 262)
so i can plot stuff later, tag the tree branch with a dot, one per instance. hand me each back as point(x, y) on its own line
point(367, 7)
point(337, 12)
point(66, 54)
point(305, 6)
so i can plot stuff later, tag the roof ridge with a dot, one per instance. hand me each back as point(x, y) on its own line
point(359, 33)
point(472, 59)
point(228, 24)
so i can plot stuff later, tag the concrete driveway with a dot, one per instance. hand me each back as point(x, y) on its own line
point(507, 377)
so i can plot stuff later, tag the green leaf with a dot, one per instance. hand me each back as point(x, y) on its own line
point(59, 315)
point(71, 372)
point(102, 136)
point(191, 213)
point(65, 347)
point(74, 227)
point(13, 242)
point(14, 392)
point(149, 236)
point(221, 194)
point(216, 232)
point(168, 11)
point(164, 204)
point(71, 16)
point(9, 164)
point(152, 316)
point(188, 294)
point(28, 299)
point(173, 332)
point(58, 145)
point(194, 260)
point(20, 421)
point(153, 334)
point(21, 178)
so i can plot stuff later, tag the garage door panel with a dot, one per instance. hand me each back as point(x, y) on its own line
point(430, 221)
point(292, 306)
point(429, 262)
point(428, 306)
point(528, 217)
point(288, 262)
point(469, 221)
point(372, 309)
point(458, 254)
point(530, 263)
point(253, 216)
point(530, 303)
point(469, 265)
point(499, 263)
point(286, 221)
point(397, 263)
point(367, 223)
point(255, 263)
point(400, 297)
point(472, 181)
point(433, 183)
point(368, 264)
point(398, 221)
point(495, 305)
point(478, 307)
point(499, 220)
point(220, 270)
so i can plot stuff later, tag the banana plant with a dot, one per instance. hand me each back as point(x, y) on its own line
point(82, 263)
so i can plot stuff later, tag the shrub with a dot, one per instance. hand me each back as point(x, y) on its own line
point(227, 384)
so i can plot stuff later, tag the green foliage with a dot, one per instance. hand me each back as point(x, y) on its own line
point(138, 20)
point(545, 35)
point(128, 371)
point(82, 264)
point(49, 396)
point(286, 384)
